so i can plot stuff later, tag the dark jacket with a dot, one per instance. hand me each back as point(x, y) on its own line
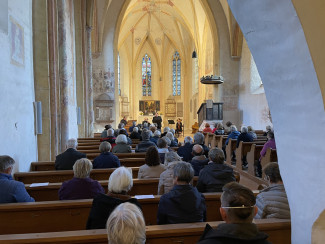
point(245, 137)
point(102, 207)
point(232, 135)
point(233, 234)
point(205, 148)
point(135, 135)
point(157, 120)
point(185, 152)
point(183, 204)
point(66, 160)
point(214, 176)
point(198, 165)
point(144, 145)
point(154, 139)
point(80, 188)
point(106, 160)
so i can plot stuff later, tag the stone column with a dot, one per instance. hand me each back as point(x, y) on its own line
point(90, 96)
point(66, 65)
point(52, 44)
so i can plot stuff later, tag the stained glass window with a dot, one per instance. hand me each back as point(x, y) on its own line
point(118, 75)
point(176, 74)
point(146, 76)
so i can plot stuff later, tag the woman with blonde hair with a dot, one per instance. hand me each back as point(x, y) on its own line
point(119, 184)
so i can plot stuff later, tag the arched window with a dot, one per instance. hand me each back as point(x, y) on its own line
point(146, 75)
point(118, 75)
point(176, 74)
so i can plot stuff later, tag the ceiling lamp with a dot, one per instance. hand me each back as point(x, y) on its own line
point(211, 80)
point(194, 55)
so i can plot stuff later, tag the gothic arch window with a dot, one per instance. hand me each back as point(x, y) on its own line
point(146, 76)
point(176, 74)
point(118, 75)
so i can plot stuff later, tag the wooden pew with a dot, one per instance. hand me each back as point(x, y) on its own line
point(18, 218)
point(252, 156)
point(50, 192)
point(64, 175)
point(232, 143)
point(222, 141)
point(279, 232)
point(270, 156)
point(49, 165)
point(208, 137)
point(243, 149)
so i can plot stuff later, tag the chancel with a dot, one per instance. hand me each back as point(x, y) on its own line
point(70, 67)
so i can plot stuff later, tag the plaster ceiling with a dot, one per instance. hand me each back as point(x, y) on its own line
point(157, 21)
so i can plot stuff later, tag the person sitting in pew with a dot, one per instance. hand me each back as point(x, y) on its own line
point(219, 129)
point(162, 148)
point(233, 135)
point(244, 137)
point(122, 145)
point(145, 143)
point(104, 133)
point(166, 178)
point(126, 225)
point(185, 151)
point(269, 144)
point(81, 186)
point(237, 210)
point(272, 202)
point(199, 139)
point(199, 160)
point(106, 159)
point(183, 204)
point(216, 174)
point(251, 132)
point(11, 191)
point(171, 137)
point(128, 139)
point(207, 128)
point(156, 136)
point(110, 137)
point(153, 168)
point(135, 134)
point(119, 183)
point(66, 160)
point(268, 128)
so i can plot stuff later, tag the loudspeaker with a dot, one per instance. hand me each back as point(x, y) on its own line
point(78, 116)
point(38, 117)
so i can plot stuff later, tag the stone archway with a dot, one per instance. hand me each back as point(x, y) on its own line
point(277, 41)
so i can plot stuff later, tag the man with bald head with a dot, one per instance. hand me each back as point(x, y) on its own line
point(199, 160)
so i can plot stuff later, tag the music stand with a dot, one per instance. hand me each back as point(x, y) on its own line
point(171, 122)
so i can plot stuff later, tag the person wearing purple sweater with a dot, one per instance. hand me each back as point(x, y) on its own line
point(269, 144)
point(80, 186)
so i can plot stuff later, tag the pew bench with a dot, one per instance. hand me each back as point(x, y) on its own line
point(243, 149)
point(253, 155)
point(270, 156)
point(279, 232)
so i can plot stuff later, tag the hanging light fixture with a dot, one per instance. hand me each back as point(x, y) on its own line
point(194, 54)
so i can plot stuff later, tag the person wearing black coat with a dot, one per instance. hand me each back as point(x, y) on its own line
point(199, 160)
point(186, 151)
point(216, 174)
point(244, 137)
point(66, 160)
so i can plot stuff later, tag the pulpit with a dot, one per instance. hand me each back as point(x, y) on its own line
point(210, 111)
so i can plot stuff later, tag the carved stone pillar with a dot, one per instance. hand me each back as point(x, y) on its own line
point(90, 96)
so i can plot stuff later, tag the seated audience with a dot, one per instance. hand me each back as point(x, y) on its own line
point(110, 137)
point(153, 168)
point(207, 128)
point(119, 127)
point(233, 135)
point(216, 174)
point(268, 128)
point(121, 145)
point(272, 202)
point(106, 159)
point(166, 177)
point(145, 143)
point(134, 123)
point(244, 137)
point(173, 132)
point(166, 130)
point(237, 210)
point(199, 160)
point(104, 133)
point(66, 160)
point(186, 150)
point(126, 225)
point(11, 191)
point(81, 186)
point(183, 204)
point(123, 132)
point(162, 148)
point(199, 139)
point(219, 130)
point(145, 123)
point(152, 128)
point(251, 132)
point(269, 144)
point(156, 136)
point(170, 136)
point(135, 134)
point(228, 124)
point(119, 183)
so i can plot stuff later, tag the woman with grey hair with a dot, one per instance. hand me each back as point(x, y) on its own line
point(166, 130)
point(135, 134)
point(171, 137)
point(119, 183)
point(122, 145)
point(166, 177)
point(106, 159)
point(81, 186)
point(126, 225)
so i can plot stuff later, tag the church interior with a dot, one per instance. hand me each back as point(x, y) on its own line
point(70, 67)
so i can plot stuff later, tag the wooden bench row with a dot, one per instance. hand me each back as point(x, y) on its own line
point(279, 232)
point(70, 215)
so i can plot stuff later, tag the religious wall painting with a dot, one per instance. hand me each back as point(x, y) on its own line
point(103, 80)
point(17, 48)
point(149, 107)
